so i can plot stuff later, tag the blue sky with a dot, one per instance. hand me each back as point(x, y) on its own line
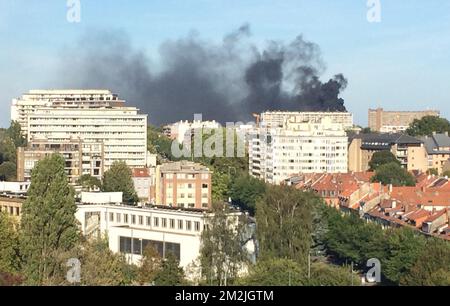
point(403, 62)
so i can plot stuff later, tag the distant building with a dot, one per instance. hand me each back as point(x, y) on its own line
point(80, 158)
point(298, 147)
point(438, 151)
point(274, 119)
point(183, 184)
point(409, 151)
point(395, 121)
point(183, 131)
point(89, 115)
point(28, 103)
point(144, 183)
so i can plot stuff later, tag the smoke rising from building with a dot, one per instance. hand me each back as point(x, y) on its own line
point(226, 81)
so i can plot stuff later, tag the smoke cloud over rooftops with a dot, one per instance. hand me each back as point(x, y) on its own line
point(226, 81)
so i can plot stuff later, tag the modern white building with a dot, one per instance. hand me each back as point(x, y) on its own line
point(273, 119)
point(122, 131)
point(298, 147)
point(28, 103)
point(130, 229)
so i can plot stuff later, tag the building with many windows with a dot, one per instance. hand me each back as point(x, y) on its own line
point(277, 118)
point(183, 184)
point(394, 121)
point(298, 147)
point(80, 158)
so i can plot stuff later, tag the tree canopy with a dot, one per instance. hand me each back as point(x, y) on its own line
point(48, 224)
point(394, 174)
point(119, 179)
point(427, 125)
point(382, 158)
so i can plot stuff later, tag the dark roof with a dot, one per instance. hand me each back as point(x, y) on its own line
point(435, 142)
point(376, 141)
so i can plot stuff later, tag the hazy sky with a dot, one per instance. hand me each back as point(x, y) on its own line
point(402, 63)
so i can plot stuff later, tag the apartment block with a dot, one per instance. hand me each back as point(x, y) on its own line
point(298, 147)
point(394, 121)
point(183, 131)
point(122, 131)
point(273, 119)
point(437, 148)
point(183, 184)
point(409, 151)
point(80, 158)
point(28, 103)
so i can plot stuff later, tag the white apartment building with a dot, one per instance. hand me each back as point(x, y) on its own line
point(122, 130)
point(28, 103)
point(272, 119)
point(182, 131)
point(298, 147)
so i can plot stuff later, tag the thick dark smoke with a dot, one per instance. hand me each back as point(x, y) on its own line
point(225, 81)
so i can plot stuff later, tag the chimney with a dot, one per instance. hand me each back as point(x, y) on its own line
point(390, 188)
point(394, 204)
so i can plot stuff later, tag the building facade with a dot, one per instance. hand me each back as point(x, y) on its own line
point(104, 125)
point(28, 103)
point(183, 184)
point(409, 151)
point(437, 148)
point(80, 158)
point(393, 121)
point(144, 183)
point(277, 118)
point(298, 147)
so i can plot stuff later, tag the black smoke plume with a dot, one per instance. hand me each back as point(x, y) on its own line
point(226, 81)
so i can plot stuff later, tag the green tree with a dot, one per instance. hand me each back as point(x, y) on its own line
point(9, 245)
point(7, 150)
point(382, 158)
point(160, 144)
point(89, 182)
point(428, 125)
point(323, 274)
point(8, 171)
point(432, 267)
point(284, 223)
point(275, 272)
point(402, 249)
point(393, 174)
point(15, 133)
point(48, 223)
point(221, 252)
point(220, 183)
point(118, 179)
point(150, 266)
point(170, 274)
point(246, 190)
point(101, 267)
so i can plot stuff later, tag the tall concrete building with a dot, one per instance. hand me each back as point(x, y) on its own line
point(91, 116)
point(277, 153)
point(393, 121)
point(30, 102)
point(278, 118)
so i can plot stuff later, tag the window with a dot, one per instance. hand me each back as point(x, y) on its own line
point(125, 245)
point(148, 221)
point(189, 186)
point(172, 223)
point(204, 186)
point(141, 220)
point(205, 205)
point(133, 219)
point(156, 221)
point(118, 217)
point(197, 226)
point(111, 217)
point(164, 222)
point(125, 218)
point(180, 224)
point(188, 225)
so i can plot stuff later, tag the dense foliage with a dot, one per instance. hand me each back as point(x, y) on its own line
point(428, 125)
point(118, 179)
point(382, 158)
point(393, 173)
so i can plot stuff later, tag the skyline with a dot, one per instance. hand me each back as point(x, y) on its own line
point(385, 65)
